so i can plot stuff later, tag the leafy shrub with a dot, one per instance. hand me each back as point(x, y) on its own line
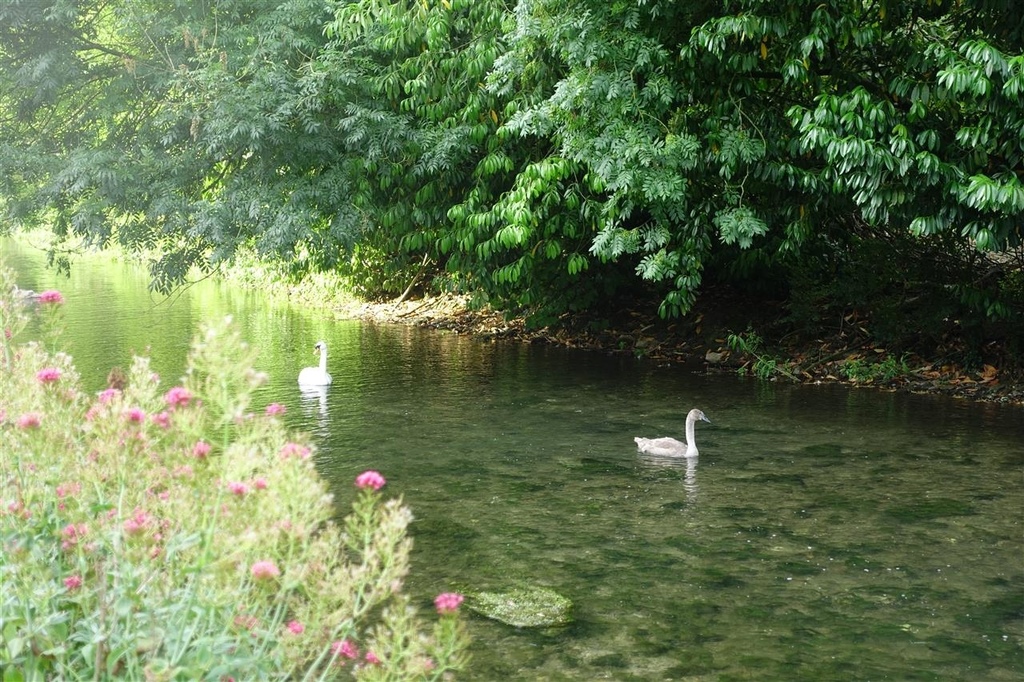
point(764, 366)
point(859, 370)
point(179, 535)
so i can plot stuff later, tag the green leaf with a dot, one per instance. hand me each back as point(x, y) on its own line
point(739, 226)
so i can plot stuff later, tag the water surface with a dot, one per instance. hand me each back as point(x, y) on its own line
point(823, 534)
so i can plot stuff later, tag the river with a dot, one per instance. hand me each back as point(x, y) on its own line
point(824, 533)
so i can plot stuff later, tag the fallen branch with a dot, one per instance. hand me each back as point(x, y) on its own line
point(415, 279)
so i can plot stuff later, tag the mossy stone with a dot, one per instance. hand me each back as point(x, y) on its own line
point(523, 607)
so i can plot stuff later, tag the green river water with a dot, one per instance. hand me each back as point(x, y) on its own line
point(823, 533)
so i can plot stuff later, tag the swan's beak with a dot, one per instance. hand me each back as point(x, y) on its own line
point(704, 418)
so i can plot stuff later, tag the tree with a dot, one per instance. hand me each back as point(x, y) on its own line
point(546, 156)
point(187, 129)
point(432, 122)
point(764, 126)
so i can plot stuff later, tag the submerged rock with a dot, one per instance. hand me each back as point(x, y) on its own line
point(524, 607)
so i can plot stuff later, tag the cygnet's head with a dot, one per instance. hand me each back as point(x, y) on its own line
point(697, 414)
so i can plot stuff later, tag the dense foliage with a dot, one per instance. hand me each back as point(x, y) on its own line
point(175, 534)
point(546, 155)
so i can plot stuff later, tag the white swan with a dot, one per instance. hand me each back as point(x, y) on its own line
point(316, 376)
point(670, 447)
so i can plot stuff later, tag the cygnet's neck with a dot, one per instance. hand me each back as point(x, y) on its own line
point(691, 444)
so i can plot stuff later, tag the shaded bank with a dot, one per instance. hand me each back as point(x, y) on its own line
point(702, 340)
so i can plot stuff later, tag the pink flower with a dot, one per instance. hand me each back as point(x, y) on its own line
point(65, 489)
point(179, 396)
point(370, 479)
point(162, 419)
point(294, 450)
point(72, 533)
point(51, 296)
point(345, 648)
point(295, 627)
point(135, 414)
point(48, 375)
point(274, 409)
point(447, 602)
point(73, 582)
point(265, 570)
point(29, 420)
point(109, 394)
point(260, 483)
point(238, 488)
point(138, 523)
point(18, 509)
point(201, 449)
point(372, 659)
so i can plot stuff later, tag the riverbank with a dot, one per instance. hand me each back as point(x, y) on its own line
point(709, 340)
point(724, 333)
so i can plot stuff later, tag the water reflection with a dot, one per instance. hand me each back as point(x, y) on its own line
point(687, 465)
point(690, 481)
point(313, 401)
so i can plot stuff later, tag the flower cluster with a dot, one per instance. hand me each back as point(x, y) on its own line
point(265, 570)
point(51, 296)
point(289, 450)
point(141, 503)
point(135, 414)
point(238, 488)
point(72, 534)
point(370, 479)
point(138, 523)
point(48, 375)
point(179, 396)
point(345, 650)
point(448, 602)
point(29, 420)
point(108, 395)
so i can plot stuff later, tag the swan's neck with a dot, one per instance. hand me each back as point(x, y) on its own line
point(323, 361)
point(691, 444)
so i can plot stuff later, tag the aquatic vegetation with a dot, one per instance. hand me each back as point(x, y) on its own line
point(183, 534)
